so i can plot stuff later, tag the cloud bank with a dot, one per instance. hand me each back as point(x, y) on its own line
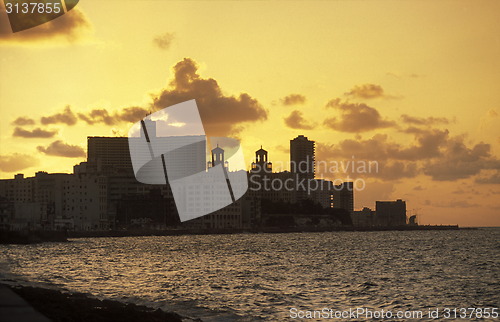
point(355, 117)
point(61, 149)
point(36, 133)
point(17, 162)
point(221, 114)
point(296, 121)
point(293, 99)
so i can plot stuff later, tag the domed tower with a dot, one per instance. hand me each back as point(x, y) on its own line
point(217, 158)
point(261, 164)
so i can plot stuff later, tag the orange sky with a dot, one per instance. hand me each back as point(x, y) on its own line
point(412, 85)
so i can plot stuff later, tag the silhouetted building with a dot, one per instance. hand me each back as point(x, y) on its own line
point(90, 198)
point(261, 164)
point(218, 158)
point(150, 210)
point(302, 157)
point(322, 192)
point(391, 213)
point(103, 192)
point(6, 213)
point(54, 201)
point(412, 221)
point(277, 186)
point(302, 162)
point(109, 154)
point(109, 160)
point(363, 218)
point(208, 192)
point(244, 213)
point(343, 196)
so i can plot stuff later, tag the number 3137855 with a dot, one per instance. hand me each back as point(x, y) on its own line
point(32, 7)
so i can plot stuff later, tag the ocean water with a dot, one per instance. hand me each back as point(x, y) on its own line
point(263, 276)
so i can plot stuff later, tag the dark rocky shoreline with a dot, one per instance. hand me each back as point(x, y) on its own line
point(32, 236)
point(59, 307)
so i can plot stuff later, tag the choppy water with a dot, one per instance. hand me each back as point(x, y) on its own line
point(264, 275)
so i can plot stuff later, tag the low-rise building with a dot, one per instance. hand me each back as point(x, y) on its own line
point(363, 218)
point(391, 213)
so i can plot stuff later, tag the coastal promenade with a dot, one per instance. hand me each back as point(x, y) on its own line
point(14, 309)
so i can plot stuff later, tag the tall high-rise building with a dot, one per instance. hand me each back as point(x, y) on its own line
point(302, 157)
point(187, 154)
point(343, 196)
point(111, 153)
point(302, 163)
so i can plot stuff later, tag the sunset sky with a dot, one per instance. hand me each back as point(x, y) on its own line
point(413, 85)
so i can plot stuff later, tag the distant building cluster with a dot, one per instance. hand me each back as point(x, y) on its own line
point(299, 183)
point(386, 214)
point(103, 193)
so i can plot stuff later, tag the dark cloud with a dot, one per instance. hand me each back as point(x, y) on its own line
point(296, 121)
point(16, 162)
point(492, 179)
point(69, 27)
point(61, 149)
point(427, 145)
point(376, 148)
point(373, 158)
point(355, 117)
point(221, 114)
point(132, 114)
point(23, 120)
point(293, 99)
point(366, 91)
point(97, 116)
point(387, 170)
point(65, 117)
point(394, 170)
point(433, 153)
point(457, 161)
point(164, 41)
point(424, 120)
point(36, 133)
point(128, 114)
